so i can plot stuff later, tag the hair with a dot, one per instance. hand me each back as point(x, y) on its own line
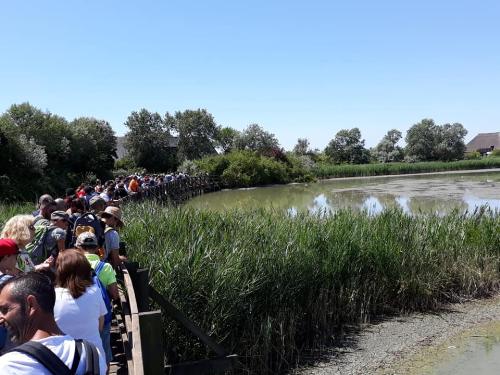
point(73, 272)
point(77, 205)
point(34, 284)
point(17, 228)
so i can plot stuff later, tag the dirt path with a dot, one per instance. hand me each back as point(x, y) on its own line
point(388, 346)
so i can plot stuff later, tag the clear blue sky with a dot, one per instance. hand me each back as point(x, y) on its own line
point(297, 68)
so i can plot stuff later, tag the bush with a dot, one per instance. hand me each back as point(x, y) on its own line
point(189, 167)
point(248, 168)
point(475, 155)
point(126, 163)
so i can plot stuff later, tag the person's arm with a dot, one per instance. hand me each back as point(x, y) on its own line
point(113, 291)
point(114, 258)
point(61, 245)
point(101, 323)
point(113, 242)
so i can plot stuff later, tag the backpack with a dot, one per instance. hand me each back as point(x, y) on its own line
point(55, 365)
point(104, 293)
point(88, 222)
point(37, 248)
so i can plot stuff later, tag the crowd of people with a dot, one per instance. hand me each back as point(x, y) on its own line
point(58, 279)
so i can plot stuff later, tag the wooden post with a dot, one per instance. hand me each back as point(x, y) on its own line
point(141, 288)
point(152, 342)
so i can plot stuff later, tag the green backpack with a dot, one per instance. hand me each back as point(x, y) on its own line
point(36, 249)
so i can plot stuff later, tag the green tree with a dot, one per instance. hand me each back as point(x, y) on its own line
point(47, 130)
point(94, 146)
point(148, 142)
point(387, 149)
point(302, 147)
point(348, 147)
point(197, 133)
point(226, 139)
point(422, 140)
point(427, 141)
point(22, 163)
point(451, 144)
point(255, 138)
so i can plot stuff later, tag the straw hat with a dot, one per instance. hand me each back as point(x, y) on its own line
point(114, 212)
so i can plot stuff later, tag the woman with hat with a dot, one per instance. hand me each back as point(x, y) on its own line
point(112, 216)
point(8, 262)
point(8, 258)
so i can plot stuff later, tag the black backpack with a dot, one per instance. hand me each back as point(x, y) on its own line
point(88, 222)
point(55, 365)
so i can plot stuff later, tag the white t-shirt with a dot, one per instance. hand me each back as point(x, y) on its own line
point(79, 317)
point(63, 346)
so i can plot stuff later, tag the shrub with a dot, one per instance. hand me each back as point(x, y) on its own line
point(475, 155)
point(245, 168)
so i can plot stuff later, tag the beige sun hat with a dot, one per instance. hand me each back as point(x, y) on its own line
point(115, 212)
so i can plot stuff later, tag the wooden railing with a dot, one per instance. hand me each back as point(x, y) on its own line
point(142, 333)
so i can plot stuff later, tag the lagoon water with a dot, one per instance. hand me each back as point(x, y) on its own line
point(437, 193)
point(473, 352)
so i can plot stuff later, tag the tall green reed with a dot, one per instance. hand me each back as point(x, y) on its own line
point(269, 286)
point(327, 170)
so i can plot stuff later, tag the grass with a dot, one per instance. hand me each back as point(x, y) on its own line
point(7, 210)
point(326, 170)
point(269, 286)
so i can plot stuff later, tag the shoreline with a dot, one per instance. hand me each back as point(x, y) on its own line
point(461, 171)
point(319, 181)
point(404, 344)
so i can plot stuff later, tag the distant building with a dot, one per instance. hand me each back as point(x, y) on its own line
point(121, 151)
point(484, 142)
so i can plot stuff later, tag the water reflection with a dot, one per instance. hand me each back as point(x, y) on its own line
point(478, 353)
point(421, 194)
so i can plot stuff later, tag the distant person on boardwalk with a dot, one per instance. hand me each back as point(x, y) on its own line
point(27, 308)
point(112, 217)
point(133, 186)
point(46, 205)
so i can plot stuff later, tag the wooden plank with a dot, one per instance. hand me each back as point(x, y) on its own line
point(125, 320)
point(132, 302)
point(136, 346)
point(152, 342)
point(175, 313)
point(133, 325)
point(206, 366)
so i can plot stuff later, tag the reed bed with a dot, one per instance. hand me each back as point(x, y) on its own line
point(7, 210)
point(270, 286)
point(326, 170)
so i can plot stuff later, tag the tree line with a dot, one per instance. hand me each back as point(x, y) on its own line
point(199, 136)
point(42, 151)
